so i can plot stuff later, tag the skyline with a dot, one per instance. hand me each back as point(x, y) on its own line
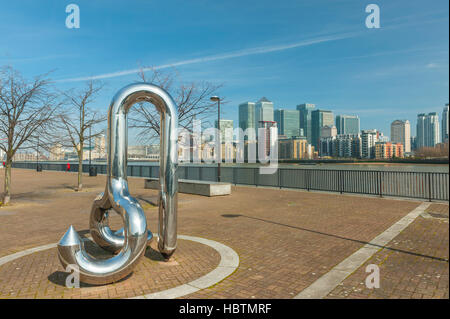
point(290, 52)
point(336, 119)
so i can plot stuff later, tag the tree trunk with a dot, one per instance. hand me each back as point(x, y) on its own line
point(80, 169)
point(7, 191)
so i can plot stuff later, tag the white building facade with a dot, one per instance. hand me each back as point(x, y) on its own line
point(368, 140)
point(432, 131)
point(428, 130)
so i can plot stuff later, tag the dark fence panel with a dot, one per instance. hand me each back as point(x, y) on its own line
point(226, 175)
point(294, 178)
point(365, 182)
point(325, 180)
point(245, 176)
point(423, 185)
point(268, 179)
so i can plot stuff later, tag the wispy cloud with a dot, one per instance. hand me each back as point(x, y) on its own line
point(432, 66)
point(217, 57)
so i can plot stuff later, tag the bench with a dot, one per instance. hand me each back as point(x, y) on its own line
point(186, 186)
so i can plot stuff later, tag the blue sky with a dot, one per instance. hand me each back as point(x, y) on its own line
point(292, 52)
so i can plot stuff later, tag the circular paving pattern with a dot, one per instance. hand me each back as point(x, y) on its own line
point(197, 263)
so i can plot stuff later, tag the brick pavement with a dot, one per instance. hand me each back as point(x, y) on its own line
point(413, 265)
point(285, 239)
point(40, 275)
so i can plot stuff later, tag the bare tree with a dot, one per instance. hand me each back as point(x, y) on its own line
point(192, 100)
point(76, 121)
point(438, 151)
point(26, 111)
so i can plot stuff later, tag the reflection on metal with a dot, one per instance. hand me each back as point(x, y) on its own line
point(130, 242)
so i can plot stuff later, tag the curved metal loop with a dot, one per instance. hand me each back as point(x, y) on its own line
point(129, 243)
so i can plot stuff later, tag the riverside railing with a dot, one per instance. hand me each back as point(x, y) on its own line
point(421, 185)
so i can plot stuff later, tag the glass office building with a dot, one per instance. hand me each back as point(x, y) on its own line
point(347, 124)
point(226, 127)
point(288, 122)
point(264, 110)
point(319, 119)
point(247, 119)
point(305, 119)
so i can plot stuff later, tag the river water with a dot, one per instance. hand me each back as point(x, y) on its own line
point(397, 167)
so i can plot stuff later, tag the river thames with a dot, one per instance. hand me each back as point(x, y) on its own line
point(396, 167)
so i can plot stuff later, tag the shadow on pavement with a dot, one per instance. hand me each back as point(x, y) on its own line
point(335, 236)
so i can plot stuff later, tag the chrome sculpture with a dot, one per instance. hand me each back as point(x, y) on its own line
point(130, 242)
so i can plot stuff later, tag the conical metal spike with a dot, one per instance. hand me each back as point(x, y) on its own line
point(70, 238)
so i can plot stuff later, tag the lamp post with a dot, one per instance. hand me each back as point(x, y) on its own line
point(215, 98)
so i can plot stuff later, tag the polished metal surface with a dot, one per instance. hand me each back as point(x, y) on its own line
point(130, 242)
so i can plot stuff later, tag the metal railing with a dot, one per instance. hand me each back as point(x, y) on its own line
point(422, 185)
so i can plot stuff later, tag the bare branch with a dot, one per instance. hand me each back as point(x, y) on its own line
point(77, 119)
point(27, 110)
point(192, 100)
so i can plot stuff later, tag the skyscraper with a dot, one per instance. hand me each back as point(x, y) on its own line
point(305, 119)
point(247, 119)
point(347, 124)
point(224, 126)
point(428, 133)
point(288, 122)
point(420, 130)
point(263, 113)
point(432, 131)
point(444, 123)
point(401, 133)
point(264, 110)
point(319, 119)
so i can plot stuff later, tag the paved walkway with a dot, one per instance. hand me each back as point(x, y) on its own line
point(286, 240)
point(413, 265)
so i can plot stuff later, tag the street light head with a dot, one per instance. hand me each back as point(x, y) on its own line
point(214, 98)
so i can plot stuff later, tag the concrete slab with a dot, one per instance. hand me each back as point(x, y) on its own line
point(204, 188)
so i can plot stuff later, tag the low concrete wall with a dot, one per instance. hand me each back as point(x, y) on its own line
point(195, 187)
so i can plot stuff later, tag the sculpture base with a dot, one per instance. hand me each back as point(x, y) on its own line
point(42, 276)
